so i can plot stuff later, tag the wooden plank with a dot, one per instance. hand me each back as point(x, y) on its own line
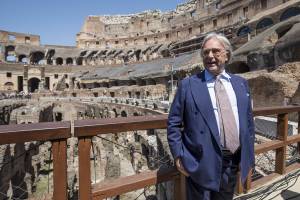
point(103, 126)
point(177, 189)
point(182, 187)
point(275, 110)
point(84, 148)
point(20, 133)
point(298, 132)
point(60, 180)
point(268, 146)
point(259, 182)
point(264, 180)
point(293, 139)
point(109, 188)
point(282, 132)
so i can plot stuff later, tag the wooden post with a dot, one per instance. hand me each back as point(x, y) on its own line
point(248, 181)
point(84, 148)
point(298, 131)
point(282, 132)
point(239, 184)
point(60, 181)
point(179, 188)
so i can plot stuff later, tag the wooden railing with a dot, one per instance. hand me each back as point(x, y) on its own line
point(57, 133)
point(84, 130)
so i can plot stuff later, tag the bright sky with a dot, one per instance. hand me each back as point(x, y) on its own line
point(58, 21)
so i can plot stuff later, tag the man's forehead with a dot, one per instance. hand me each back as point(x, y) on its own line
point(215, 41)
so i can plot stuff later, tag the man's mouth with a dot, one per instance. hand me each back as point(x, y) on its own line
point(211, 62)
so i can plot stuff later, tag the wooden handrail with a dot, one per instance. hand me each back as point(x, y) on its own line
point(275, 110)
point(85, 128)
point(59, 132)
point(19, 133)
point(118, 186)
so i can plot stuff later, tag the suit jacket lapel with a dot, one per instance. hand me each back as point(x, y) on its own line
point(203, 102)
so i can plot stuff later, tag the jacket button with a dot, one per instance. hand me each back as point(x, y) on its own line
point(201, 132)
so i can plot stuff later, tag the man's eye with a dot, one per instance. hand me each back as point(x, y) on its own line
point(216, 50)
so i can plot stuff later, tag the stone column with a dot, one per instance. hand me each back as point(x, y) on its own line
point(83, 62)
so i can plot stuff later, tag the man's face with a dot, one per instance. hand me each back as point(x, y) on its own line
point(214, 56)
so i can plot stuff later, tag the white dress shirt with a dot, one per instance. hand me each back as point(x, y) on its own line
point(225, 79)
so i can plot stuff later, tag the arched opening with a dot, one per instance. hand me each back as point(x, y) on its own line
point(33, 84)
point(10, 54)
point(49, 56)
point(123, 114)
point(138, 54)
point(104, 84)
point(141, 82)
point(79, 61)
point(264, 23)
point(243, 31)
point(151, 82)
point(58, 116)
point(59, 61)
point(9, 86)
point(238, 67)
point(138, 95)
point(23, 58)
point(290, 12)
point(69, 61)
point(36, 57)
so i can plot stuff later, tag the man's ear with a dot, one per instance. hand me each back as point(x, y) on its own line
point(227, 56)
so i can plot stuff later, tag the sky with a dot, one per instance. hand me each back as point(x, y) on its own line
point(58, 21)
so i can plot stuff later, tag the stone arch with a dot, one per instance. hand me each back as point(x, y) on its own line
point(151, 82)
point(264, 23)
point(79, 61)
point(115, 112)
point(59, 61)
point(9, 86)
point(36, 57)
point(243, 31)
point(49, 56)
point(237, 67)
point(290, 12)
point(135, 114)
point(33, 84)
point(10, 54)
point(69, 61)
point(23, 58)
point(123, 113)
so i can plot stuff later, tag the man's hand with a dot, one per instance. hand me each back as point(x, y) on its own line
point(180, 167)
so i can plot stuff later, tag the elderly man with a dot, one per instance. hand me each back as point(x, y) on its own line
point(210, 126)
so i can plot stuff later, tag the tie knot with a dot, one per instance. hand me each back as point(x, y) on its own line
point(218, 77)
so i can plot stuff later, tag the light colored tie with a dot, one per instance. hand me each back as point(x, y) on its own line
point(228, 128)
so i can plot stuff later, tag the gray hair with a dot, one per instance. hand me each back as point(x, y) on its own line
point(221, 38)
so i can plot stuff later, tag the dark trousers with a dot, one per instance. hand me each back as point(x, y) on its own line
point(230, 165)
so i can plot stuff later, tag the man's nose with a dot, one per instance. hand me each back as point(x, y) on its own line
point(210, 54)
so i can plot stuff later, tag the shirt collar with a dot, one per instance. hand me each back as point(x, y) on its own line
point(209, 76)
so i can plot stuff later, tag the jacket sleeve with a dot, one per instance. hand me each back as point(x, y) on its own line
point(251, 126)
point(175, 122)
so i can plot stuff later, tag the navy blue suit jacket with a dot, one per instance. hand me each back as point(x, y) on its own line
point(193, 132)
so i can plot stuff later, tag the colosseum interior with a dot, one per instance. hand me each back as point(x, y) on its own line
point(130, 65)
